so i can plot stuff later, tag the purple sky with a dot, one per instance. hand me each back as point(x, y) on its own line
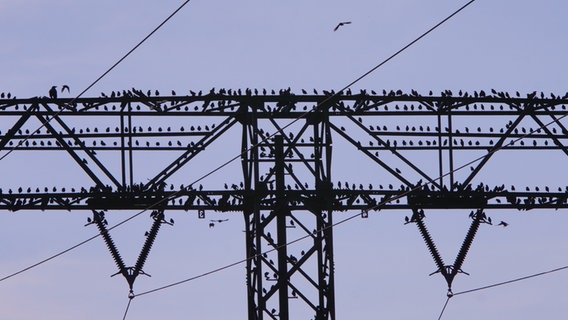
point(382, 266)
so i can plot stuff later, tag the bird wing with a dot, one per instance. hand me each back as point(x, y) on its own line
point(65, 87)
point(337, 27)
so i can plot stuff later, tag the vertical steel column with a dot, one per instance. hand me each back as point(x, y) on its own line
point(324, 216)
point(440, 149)
point(130, 146)
point(251, 212)
point(451, 148)
point(122, 148)
point(126, 133)
point(281, 214)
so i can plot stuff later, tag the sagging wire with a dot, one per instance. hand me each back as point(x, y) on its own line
point(511, 281)
point(130, 297)
point(444, 307)
point(499, 284)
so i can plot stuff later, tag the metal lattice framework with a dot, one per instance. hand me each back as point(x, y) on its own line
point(415, 143)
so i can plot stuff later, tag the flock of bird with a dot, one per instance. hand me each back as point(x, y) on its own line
point(53, 93)
point(6, 95)
point(472, 215)
point(228, 100)
point(399, 137)
point(496, 191)
point(218, 93)
point(521, 201)
point(458, 133)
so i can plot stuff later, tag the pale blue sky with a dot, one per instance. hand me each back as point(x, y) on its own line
point(382, 266)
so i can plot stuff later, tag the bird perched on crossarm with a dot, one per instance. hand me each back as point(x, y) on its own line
point(53, 92)
point(341, 24)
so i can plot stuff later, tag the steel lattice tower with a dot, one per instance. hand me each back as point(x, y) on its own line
point(287, 188)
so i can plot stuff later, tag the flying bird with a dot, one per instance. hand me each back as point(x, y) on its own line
point(65, 87)
point(503, 223)
point(341, 24)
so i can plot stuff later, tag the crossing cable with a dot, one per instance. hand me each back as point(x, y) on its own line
point(499, 284)
point(48, 119)
point(152, 206)
point(444, 308)
point(375, 207)
point(127, 308)
point(511, 281)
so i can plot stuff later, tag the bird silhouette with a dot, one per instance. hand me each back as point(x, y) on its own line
point(341, 24)
point(53, 92)
point(503, 223)
point(65, 87)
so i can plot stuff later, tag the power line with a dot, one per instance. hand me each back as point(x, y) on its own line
point(408, 45)
point(511, 281)
point(444, 308)
point(48, 119)
point(127, 307)
point(499, 284)
point(49, 258)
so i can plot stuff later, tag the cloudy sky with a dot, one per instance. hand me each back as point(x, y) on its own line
point(382, 266)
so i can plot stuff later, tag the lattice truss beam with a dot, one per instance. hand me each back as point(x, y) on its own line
point(132, 151)
point(390, 130)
